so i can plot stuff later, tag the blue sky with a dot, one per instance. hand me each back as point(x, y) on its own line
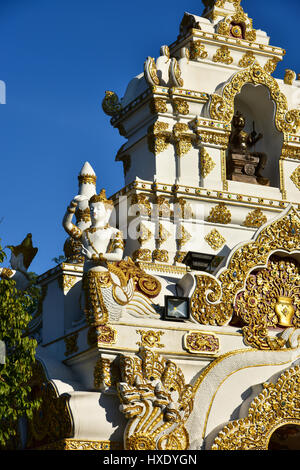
point(57, 59)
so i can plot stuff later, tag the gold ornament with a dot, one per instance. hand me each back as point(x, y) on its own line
point(231, 25)
point(295, 177)
point(158, 137)
point(271, 65)
point(181, 106)
point(223, 55)
point(206, 162)
point(182, 137)
point(247, 59)
point(87, 179)
point(219, 214)
point(160, 255)
point(183, 236)
point(111, 104)
point(222, 107)
point(276, 406)
point(52, 420)
point(150, 338)
point(143, 204)
point(197, 342)
point(215, 239)
point(157, 105)
point(156, 401)
point(145, 234)
point(106, 335)
point(101, 197)
point(214, 297)
point(163, 235)
point(197, 50)
point(289, 77)
point(271, 298)
point(255, 218)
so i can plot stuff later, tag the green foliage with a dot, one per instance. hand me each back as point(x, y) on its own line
point(16, 308)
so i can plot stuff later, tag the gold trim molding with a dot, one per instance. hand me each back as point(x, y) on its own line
point(78, 444)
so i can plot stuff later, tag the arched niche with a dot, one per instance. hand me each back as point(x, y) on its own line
point(254, 102)
point(286, 437)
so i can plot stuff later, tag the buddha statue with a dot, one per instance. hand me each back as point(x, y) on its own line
point(21, 257)
point(243, 164)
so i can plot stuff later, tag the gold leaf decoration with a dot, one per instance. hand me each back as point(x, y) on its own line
point(295, 177)
point(215, 239)
point(255, 218)
point(220, 214)
point(206, 162)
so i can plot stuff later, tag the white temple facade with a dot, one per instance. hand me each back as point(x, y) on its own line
point(146, 350)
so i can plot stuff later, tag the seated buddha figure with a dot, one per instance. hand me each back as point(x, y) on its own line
point(245, 165)
point(101, 245)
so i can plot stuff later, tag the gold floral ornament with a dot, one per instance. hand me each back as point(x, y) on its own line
point(197, 342)
point(289, 77)
point(158, 137)
point(175, 74)
point(295, 177)
point(276, 406)
point(222, 107)
point(163, 235)
point(157, 105)
point(52, 421)
point(160, 255)
point(223, 55)
point(145, 283)
point(111, 104)
point(238, 25)
point(156, 401)
point(197, 50)
point(271, 298)
point(150, 338)
point(106, 335)
point(182, 138)
point(181, 106)
point(215, 239)
point(255, 218)
point(206, 163)
point(271, 65)
point(183, 236)
point(214, 297)
point(143, 204)
point(247, 59)
point(145, 234)
point(150, 71)
point(220, 214)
